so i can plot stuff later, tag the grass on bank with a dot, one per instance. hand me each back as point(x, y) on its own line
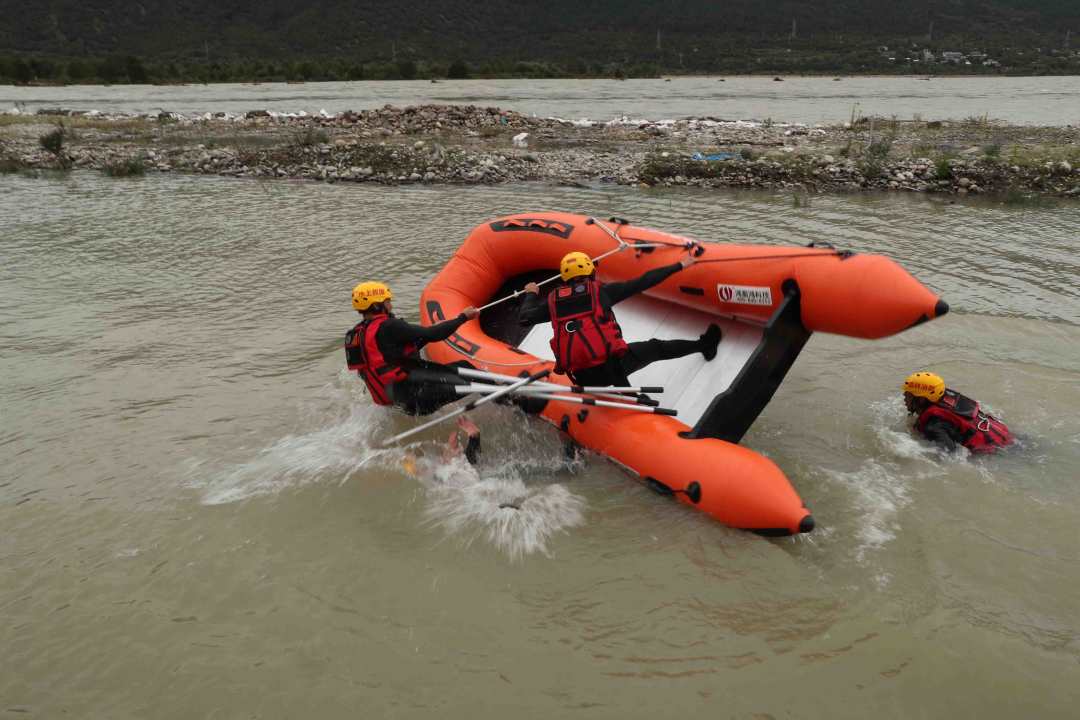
point(129, 124)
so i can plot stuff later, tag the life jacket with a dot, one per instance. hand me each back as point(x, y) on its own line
point(585, 334)
point(979, 432)
point(363, 355)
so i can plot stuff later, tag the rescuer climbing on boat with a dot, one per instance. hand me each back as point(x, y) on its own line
point(588, 342)
point(384, 350)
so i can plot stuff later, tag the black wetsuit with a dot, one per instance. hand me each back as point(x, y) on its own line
point(639, 354)
point(472, 449)
point(415, 397)
point(943, 433)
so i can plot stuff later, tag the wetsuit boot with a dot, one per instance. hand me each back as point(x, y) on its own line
point(709, 340)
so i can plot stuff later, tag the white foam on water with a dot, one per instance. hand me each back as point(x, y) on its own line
point(882, 486)
point(893, 429)
point(502, 510)
point(879, 491)
point(341, 447)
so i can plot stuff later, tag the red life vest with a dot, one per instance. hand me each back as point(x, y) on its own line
point(979, 432)
point(363, 355)
point(585, 335)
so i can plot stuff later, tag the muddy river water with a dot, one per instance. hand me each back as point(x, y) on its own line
point(195, 522)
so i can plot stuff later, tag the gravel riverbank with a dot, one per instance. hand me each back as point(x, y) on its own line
point(475, 145)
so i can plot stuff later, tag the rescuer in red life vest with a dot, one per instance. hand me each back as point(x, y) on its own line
point(588, 342)
point(383, 349)
point(949, 418)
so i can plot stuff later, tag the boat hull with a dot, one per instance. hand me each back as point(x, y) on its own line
point(818, 288)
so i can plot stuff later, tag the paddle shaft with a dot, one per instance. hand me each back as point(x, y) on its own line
point(469, 406)
point(540, 393)
point(548, 388)
point(482, 375)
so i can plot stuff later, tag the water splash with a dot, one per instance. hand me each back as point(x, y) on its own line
point(340, 448)
point(879, 491)
point(501, 510)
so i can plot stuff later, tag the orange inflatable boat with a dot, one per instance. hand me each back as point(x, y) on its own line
point(767, 300)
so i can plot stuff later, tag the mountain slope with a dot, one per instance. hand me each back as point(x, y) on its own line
point(528, 29)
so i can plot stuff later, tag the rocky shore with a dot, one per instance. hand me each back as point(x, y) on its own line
point(475, 145)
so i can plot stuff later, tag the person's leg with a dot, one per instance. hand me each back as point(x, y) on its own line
point(640, 354)
point(472, 447)
point(428, 387)
point(432, 396)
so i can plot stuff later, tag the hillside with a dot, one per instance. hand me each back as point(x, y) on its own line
point(685, 35)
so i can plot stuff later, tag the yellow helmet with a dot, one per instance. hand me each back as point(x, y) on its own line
point(575, 264)
point(367, 294)
point(925, 385)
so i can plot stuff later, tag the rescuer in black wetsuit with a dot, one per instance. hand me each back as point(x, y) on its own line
point(384, 350)
point(588, 342)
point(950, 419)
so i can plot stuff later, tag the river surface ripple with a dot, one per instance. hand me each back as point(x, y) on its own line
point(194, 522)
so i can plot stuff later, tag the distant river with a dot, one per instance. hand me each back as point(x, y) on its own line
point(1035, 100)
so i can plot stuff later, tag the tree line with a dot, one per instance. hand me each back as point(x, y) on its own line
point(125, 69)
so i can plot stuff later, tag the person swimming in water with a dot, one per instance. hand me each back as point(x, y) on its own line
point(950, 419)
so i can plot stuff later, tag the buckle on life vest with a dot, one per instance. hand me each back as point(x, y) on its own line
point(984, 423)
point(572, 326)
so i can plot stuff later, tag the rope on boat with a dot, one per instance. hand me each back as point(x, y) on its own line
point(689, 245)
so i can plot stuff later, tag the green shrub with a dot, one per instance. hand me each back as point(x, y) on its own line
point(942, 169)
point(871, 168)
point(879, 149)
point(131, 167)
point(53, 141)
point(747, 154)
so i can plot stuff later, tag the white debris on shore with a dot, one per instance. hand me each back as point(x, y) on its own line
point(485, 145)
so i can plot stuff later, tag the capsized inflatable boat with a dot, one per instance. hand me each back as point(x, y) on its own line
point(767, 299)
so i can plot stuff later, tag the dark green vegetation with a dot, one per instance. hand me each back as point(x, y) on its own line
point(128, 167)
point(165, 41)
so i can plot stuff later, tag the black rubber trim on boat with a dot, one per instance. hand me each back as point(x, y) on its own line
point(658, 487)
point(805, 525)
point(540, 225)
point(940, 308)
point(770, 532)
point(693, 491)
point(690, 290)
point(922, 318)
point(732, 412)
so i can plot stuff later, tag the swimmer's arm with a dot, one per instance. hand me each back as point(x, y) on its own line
point(943, 433)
